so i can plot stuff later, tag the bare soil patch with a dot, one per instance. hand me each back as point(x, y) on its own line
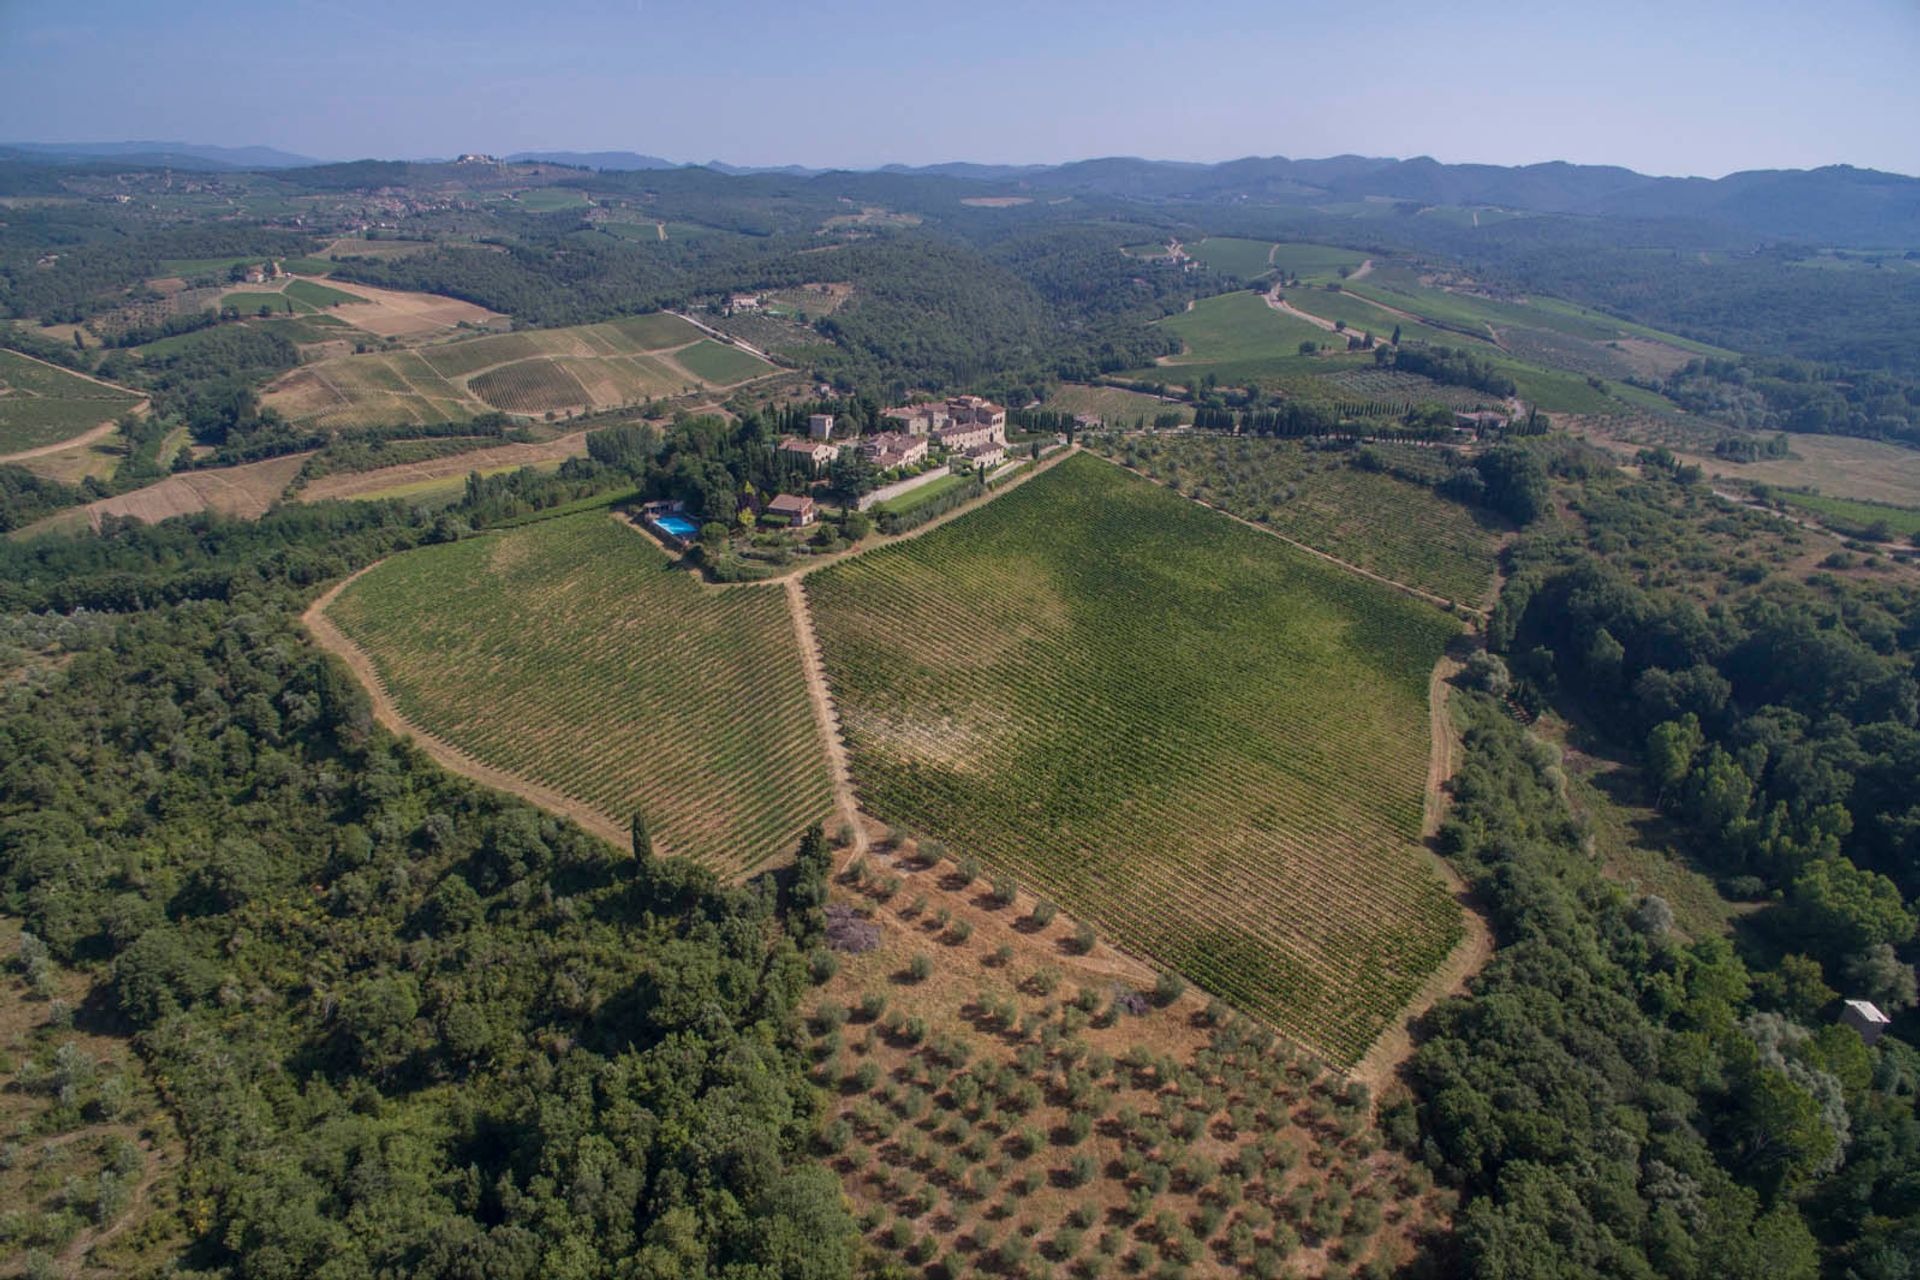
point(368, 484)
point(246, 490)
point(391, 313)
point(996, 202)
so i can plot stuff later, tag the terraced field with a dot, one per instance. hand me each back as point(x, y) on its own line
point(42, 404)
point(572, 654)
point(1211, 745)
point(1386, 525)
point(533, 372)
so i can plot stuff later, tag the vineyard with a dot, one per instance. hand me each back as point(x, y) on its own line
point(41, 404)
point(1210, 745)
point(1386, 525)
point(1399, 391)
point(571, 654)
point(532, 372)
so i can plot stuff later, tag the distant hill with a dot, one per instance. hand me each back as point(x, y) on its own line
point(1837, 204)
point(178, 155)
point(618, 161)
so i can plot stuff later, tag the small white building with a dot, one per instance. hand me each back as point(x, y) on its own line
point(1865, 1017)
point(820, 426)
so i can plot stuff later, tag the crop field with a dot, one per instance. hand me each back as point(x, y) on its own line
point(1315, 263)
point(573, 654)
point(719, 364)
point(1244, 258)
point(1210, 745)
point(1857, 519)
point(1389, 526)
point(42, 404)
point(1006, 1107)
point(1115, 406)
point(532, 372)
point(1363, 316)
point(315, 294)
point(1235, 336)
point(1395, 387)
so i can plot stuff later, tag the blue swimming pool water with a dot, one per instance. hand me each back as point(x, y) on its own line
point(678, 526)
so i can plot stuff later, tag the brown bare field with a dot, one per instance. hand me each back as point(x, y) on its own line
point(409, 317)
point(246, 490)
point(374, 484)
point(1001, 1108)
point(996, 202)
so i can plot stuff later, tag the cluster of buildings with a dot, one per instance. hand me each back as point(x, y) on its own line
point(971, 429)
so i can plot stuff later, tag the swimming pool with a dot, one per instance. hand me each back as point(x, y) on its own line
point(679, 526)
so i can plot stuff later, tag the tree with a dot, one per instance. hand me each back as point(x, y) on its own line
point(1395, 340)
point(1850, 908)
point(641, 837)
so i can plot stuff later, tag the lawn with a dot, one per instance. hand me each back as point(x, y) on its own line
point(1209, 744)
point(574, 654)
point(1392, 527)
point(1244, 258)
point(925, 493)
point(42, 404)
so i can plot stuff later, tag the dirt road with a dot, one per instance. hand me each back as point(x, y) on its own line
point(825, 717)
point(93, 435)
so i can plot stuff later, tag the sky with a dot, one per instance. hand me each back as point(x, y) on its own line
point(1691, 87)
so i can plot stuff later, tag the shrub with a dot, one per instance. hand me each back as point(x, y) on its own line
point(1084, 939)
point(920, 968)
point(1001, 956)
point(961, 931)
point(967, 869)
point(1170, 988)
point(918, 905)
point(872, 1005)
point(1042, 913)
point(1005, 890)
point(822, 965)
point(1080, 1170)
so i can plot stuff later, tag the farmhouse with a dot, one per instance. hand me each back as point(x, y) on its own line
point(987, 455)
point(743, 302)
point(891, 449)
point(978, 411)
point(797, 510)
point(818, 453)
point(961, 437)
point(1865, 1017)
point(917, 419)
point(820, 426)
point(1479, 420)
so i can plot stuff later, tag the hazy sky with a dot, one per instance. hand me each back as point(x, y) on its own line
point(1682, 86)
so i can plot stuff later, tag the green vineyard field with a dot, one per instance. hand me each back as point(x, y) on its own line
point(1209, 744)
point(1386, 525)
point(572, 654)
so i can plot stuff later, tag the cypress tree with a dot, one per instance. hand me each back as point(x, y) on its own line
point(642, 838)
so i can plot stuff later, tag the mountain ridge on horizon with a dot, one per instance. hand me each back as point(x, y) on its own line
point(1838, 203)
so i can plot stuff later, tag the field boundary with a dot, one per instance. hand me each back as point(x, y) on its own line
point(1418, 593)
point(1391, 1049)
point(826, 716)
point(335, 641)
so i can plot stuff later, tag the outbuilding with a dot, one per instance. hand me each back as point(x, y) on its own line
point(1865, 1017)
point(796, 509)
